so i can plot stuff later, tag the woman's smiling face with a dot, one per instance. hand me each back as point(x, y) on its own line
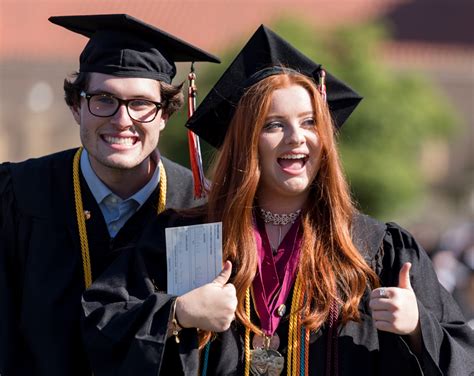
point(289, 146)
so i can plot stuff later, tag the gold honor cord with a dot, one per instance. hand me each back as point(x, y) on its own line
point(247, 334)
point(81, 216)
point(294, 333)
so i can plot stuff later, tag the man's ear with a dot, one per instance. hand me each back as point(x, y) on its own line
point(163, 121)
point(76, 112)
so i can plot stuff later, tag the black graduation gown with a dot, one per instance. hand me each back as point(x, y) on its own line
point(41, 275)
point(127, 314)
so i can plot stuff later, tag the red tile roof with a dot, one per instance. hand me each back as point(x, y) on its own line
point(211, 24)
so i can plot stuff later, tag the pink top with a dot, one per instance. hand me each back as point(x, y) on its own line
point(276, 275)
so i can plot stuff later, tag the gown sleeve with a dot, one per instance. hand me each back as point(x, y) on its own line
point(127, 315)
point(10, 281)
point(448, 342)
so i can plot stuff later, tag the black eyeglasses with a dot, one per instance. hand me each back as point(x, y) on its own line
point(106, 105)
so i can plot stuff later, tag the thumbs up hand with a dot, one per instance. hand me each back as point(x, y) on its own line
point(395, 309)
point(209, 307)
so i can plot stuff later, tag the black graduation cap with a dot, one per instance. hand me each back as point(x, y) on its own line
point(265, 54)
point(121, 45)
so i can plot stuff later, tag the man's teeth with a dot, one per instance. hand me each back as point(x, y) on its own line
point(293, 156)
point(119, 140)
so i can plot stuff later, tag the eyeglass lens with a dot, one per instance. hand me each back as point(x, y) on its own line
point(107, 105)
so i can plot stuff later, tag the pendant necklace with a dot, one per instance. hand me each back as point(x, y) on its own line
point(279, 220)
point(264, 357)
point(277, 246)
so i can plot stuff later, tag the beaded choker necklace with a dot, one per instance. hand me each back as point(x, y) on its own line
point(279, 219)
point(82, 215)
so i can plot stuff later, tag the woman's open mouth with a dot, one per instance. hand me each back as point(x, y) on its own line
point(292, 162)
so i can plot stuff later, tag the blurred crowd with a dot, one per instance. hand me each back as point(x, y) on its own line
point(452, 253)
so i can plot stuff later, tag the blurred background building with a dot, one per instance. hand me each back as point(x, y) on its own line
point(430, 38)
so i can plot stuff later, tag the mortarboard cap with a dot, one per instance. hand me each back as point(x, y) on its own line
point(265, 54)
point(121, 45)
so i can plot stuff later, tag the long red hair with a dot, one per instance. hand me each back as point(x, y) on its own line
point(332, 267)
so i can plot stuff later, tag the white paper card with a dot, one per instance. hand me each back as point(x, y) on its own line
point(193, 255)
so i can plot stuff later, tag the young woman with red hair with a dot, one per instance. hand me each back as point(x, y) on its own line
point(315, 287)
point(289, 165)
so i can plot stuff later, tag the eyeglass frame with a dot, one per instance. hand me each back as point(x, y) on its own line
point(88, 96)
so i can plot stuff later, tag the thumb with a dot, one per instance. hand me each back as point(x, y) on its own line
point(404, 276)
point(224, 275)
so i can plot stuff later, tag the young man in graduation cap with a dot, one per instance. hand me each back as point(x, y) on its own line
point(65, 217)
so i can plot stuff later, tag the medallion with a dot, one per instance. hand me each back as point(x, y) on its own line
point(266, 342)
point(266, 362)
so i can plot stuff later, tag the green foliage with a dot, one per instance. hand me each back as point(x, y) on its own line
point(381, 141)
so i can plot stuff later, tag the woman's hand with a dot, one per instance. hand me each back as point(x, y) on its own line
point(395, 309)
point(209, 307)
